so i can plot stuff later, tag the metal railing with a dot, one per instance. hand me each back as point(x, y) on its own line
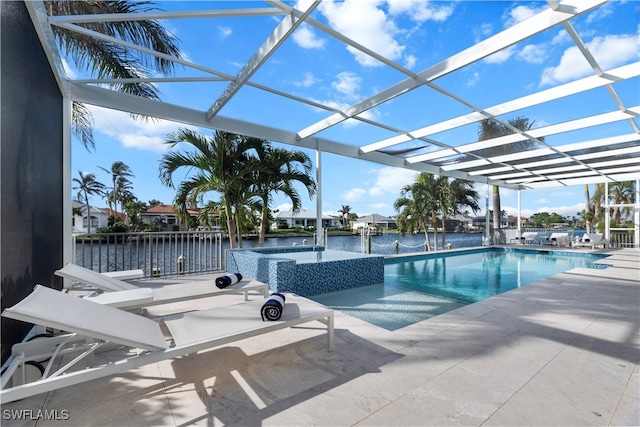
point(157, 254)
point(541, 237)
point(619, 238)
point(622, 239)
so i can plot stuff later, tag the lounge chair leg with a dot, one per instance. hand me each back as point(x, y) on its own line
point(330, 331)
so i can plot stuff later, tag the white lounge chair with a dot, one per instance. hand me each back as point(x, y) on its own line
point(592, 240)
point(128, 296)
point(90, 327)
point(529, 237)
point(558, 238)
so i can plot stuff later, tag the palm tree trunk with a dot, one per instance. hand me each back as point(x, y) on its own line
point(230, 225)
point(434, 221)
point(263, 222)
point(444, 231)
point(426, 238)
point(238, 217)
point(86, 200)
point(496, 215)
point(587, 208)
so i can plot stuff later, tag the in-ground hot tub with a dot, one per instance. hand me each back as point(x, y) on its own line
point(307, 270)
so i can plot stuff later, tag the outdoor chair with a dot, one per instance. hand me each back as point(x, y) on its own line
point(128, 296)
point(88, 327)
point(558, 239)
point(592, 240)
point(529, 237)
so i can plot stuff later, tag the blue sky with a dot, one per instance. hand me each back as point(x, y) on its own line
point(416, 34)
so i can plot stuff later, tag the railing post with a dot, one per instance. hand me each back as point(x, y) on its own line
point(152, 271)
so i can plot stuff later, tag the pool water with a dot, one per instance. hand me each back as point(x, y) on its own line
point(326, 255)
point(420, 287)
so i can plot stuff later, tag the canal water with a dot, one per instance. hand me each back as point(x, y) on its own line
point(200, 256)
point(384, 244)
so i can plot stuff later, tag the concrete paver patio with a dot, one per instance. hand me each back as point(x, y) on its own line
point(562, 351)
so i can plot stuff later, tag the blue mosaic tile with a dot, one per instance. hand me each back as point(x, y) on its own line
point(306, 279)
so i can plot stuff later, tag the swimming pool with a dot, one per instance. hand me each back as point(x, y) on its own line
point(419, 287)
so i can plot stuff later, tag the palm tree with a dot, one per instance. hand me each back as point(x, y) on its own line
point(221, 164)
point(417, 206)
point(621, 193)
point(490, 129)
point(598, 201)
point(587, 209)
point(87, 186)
point(108, 60)
point(455, 196)
point(277, 173)
point(344, 211)
point(120, 174)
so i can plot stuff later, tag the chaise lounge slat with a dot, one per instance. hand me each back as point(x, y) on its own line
point(191, 332)
point(128, 296)
point(54, 309)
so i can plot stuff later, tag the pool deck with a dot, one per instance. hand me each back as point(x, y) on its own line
point(560, 352)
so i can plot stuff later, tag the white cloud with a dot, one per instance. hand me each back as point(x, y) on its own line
point(347, 88)
point(368, 25)
point(143, 142)
point(475, 78)
point(224, 32)
point(307, 39)
point(140, 134)
point(500, 56)
point(520, 13)
point(309, 80)
point(561, 37)
point(482, 32)
point(347, 84)
point(354, 195)
point(532, 53)
point(609, 51)
point(600, 13)
point(410, 61)
point(390, 180)
point(420, 10)
point(385, 188)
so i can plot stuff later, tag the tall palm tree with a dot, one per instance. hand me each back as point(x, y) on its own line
point(278, 172)
point(455, 196)
point(108, 60)
point(621, 193)
point(587, 208)
point(417, 206)
point(120, 174)
point(88, 186)
point(344, 211)
point(598, 200)
point(221, 164)
point(490, 129)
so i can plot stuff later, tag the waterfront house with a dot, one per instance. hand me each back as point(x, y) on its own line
point(164, 217)
point(374, 222)
point(80, 223)
point(303, 218)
